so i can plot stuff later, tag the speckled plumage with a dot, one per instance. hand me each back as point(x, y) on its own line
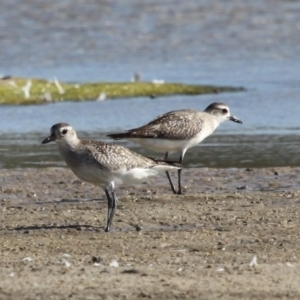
point(179, 125)
point(174, 125)
point(113, 157)
point(103, 164)
point(178, 130)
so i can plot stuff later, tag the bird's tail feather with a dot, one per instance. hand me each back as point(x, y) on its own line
point(118, 136)
point(161, 161)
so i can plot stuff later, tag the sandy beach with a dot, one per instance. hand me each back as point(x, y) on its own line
point(234, 234)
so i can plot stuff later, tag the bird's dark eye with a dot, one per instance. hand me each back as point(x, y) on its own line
point(224, 110)
point(64, 131)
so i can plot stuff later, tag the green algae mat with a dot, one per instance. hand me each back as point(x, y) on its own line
point(14, 90)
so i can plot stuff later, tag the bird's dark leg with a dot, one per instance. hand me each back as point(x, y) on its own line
point(179, 192)
point(109, 208)
point(169, 177)
point(179, 176)
point(112, 205)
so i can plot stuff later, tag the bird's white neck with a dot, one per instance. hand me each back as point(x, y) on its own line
point(68, 143)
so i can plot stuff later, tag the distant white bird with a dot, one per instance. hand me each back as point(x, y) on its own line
point(26, 89)
point(58, 85)
point(101, 97)
point(47, 97)
point(158, 81)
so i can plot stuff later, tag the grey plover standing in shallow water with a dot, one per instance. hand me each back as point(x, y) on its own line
point(103, 164)
point(177, 131)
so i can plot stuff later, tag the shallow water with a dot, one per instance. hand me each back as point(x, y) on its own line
point(255, 45)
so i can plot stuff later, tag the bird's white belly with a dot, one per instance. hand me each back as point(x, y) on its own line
point(164, 145)
point(123, 176)
point(92, 175)
point(120, 176)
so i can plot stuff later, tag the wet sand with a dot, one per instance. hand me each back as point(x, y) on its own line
point(202, 244)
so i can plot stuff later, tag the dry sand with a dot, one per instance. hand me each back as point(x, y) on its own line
point(234, 234)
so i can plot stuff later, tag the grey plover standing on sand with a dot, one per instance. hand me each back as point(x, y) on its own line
point(177, 131)
point(103, 164)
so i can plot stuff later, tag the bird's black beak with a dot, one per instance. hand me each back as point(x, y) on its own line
point(49, 139)
point(236, 120)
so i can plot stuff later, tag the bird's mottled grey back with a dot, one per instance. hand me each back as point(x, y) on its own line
point(113, 157)
point(174, 125)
